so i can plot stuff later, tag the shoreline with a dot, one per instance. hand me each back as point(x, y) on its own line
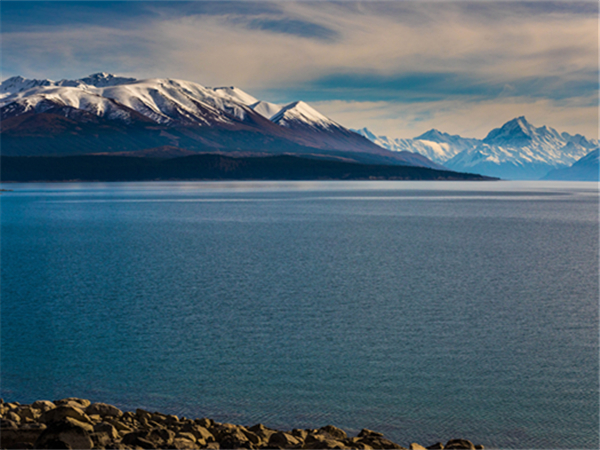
point(74, 423)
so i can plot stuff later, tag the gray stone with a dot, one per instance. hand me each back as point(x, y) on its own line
point(66, 433)
point(60, 412)
point(106, 428)
point(334, 432)
point(283, 440)
point(459, 444)
point(81, 403)
point(43, 405)
point(102, 409)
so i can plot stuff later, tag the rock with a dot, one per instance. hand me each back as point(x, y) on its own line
point(64, 435)
point(139, 439)
point(436, 446)
point(283, 440)
point(479, 447)
point(180, 443)
point(185, 435)
point(86, 426)
point(140, 413)
point(10, 437)
point(334, 432)
point(300, 434)
point(80, 403)
point(261, 431)
point(317, 441)
point(107, 429)
point(459, 444)
point(232, 436)
point(8, 424)
point(162, 436)
point(199, 432)
point(104, 410)
point(13, 417)
point(101, 440)
point(119, 425)
point(366, 433)
point(204, 422)
point(358, 444)
point(381, 443)
point(43, 405)
point(60, 412)
point(415, 446)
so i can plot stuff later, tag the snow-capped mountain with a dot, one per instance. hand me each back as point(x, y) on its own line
point(584, 169)
point(164, 101)
point(517, 150)
point(106, 113)
point(435, 145)
point(266, 109)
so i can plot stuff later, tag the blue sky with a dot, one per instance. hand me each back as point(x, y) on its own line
point(399, 68)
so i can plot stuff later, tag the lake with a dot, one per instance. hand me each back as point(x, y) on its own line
point(424, 310)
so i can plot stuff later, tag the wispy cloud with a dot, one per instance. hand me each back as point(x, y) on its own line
point(397, 52)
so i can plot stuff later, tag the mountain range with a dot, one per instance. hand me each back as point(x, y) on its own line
point(103, 113)
point(516, 150)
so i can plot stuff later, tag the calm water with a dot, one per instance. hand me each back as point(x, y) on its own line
point(424, 310)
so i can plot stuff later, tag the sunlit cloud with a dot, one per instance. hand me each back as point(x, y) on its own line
point(468, 56)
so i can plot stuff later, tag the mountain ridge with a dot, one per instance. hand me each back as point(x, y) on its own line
point(169, 112)
point(516, 150)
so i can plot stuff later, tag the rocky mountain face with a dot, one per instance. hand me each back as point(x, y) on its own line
point(103, 113)
point(517, 150)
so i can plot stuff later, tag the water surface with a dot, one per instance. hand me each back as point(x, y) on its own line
point(425, 310)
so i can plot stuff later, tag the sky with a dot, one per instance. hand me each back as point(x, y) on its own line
point(398, 68)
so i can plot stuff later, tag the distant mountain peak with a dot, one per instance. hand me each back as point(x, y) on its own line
point(103, 79)
point(434, 135)
point(301, 113)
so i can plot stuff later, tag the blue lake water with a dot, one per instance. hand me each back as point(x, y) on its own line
point(425, 310)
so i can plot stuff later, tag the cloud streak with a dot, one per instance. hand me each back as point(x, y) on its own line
point(402, 52)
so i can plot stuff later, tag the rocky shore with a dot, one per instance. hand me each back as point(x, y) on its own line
point(74, 423)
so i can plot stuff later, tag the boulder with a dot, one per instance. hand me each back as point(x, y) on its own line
point(13, 416)
point(204, 422)
point(86, 426)
point(10, 437)
point(138, 439)
point(61, 412)
point(261, 431)
point(199, 432)
point(459, 444)
point(283, 440)
point(81, 403)
point(43, 405)
point(366, 433)
point(231, 436)
point(436, 446)
point(162, 436)
point(181, 443)
point(415, 446)
point(334, 432)
point(107, 429)
point(300, 434)
point(317, 441)
point(64, 435)
point(103, 410)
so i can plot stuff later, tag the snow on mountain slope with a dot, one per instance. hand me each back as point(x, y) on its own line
point(236, 94)
point(266, 109)
point(299, 115)
point(165, 101)
point(435, 145)
point(518, 150)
